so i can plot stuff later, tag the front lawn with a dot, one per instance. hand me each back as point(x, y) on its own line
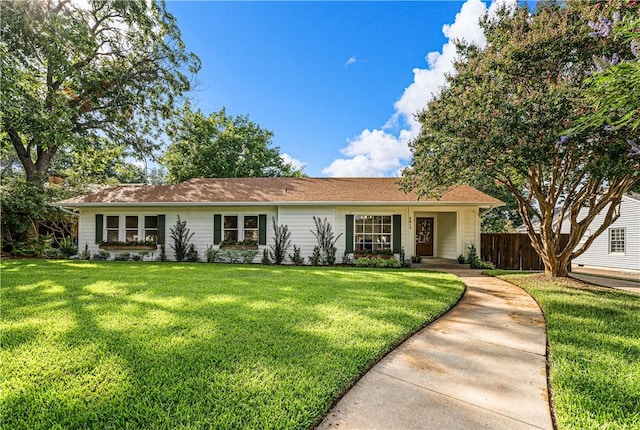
point(594, 351)
point(163, 345)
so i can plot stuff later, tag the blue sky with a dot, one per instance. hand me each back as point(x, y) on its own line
point(335, 81)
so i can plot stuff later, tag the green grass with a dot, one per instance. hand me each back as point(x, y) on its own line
point(150, 345)
point(594, 351)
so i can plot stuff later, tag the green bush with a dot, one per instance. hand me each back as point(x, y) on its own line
point(297, 258)
point(192, 254)
point(363, 262)
point(393, 263)
point(265, 256)
point(211, 254)
point(53, 254)
point(316, 257)
point(67, 247)
point(122, 256)
point(101, 255)
point(248, 255)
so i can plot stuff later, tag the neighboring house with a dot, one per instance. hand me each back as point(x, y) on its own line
point(371, 214)
point(618, 247)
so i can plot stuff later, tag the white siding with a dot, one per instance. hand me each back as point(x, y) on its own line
point(199, 221)
point(598, 253)
point(446, 235)
point(299, 219)
point(455, 227)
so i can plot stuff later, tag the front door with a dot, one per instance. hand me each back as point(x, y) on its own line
point(424, 237)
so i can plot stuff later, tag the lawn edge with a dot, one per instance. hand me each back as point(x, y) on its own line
point(394, 346)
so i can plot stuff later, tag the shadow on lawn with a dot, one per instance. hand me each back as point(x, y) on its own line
point(152, 351)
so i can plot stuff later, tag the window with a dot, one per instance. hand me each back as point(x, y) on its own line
point(230, 229)
point(616, 240)
point(151, 228)
point(372, 233)
point(131, 228)
point(251, 228)
point(113, 228)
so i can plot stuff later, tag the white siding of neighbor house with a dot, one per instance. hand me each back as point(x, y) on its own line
point(455, 227)
point(598, 254)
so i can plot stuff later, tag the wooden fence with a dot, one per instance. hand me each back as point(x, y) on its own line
point(512, 251)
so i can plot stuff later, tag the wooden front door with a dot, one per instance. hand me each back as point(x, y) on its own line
point(424, 237)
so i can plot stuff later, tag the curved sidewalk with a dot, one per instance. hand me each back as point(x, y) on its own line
point(480, 366)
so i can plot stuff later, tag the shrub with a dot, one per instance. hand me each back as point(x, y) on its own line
point(67, 247)
point(393, 263)
point(281, 242)
point(326, 240)
point(53, 254)
point(363, 262)
point(181, 236)
point(265, 256)
point(85, 255)
point(122, 256)
point(142, 255)
point(163, 254)
point(211, 254)
point(248, 255)
point(347, 257)
point(192, 254)
point(316, 257)
point(135, 257)
point(101, 255)
point(297, 258)
point(474, 260)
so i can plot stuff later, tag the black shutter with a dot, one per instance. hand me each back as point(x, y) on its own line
point(349, 234)
point(262, 229)
point(99, 227)
point(161, 228)
point(397, 233)
point(217, 229)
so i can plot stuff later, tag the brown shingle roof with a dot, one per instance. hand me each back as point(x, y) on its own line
point(273, 190)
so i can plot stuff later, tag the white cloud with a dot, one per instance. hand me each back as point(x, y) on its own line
point(382, 153)
point(294, 163)
point(354, 60)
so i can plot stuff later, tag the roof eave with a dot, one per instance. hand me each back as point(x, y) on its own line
point(280, 203)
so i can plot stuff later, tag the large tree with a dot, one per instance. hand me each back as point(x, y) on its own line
point(505, 113)
point(221, 146)
point(72, 70)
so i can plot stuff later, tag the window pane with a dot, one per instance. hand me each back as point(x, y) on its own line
point(112, 221)
point(132, 235)
point(231, 235)
point(230, 222)
point(251, 235)
point(151, 222)
point(131, 222)
point(251, 222)
point(112, 235)
point(151, 235)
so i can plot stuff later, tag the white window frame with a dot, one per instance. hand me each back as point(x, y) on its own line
point(244, 229)
point(614, 237)
point(237, 229)
point(376, 246)
point(136, 230)
point(107, 229)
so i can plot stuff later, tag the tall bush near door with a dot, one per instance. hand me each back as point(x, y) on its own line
point(181, 236)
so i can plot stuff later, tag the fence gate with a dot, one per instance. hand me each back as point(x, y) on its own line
point(512, 251)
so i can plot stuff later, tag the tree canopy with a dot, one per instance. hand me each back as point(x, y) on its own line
point(75, 71)
point(221, 146)
point(504, 116)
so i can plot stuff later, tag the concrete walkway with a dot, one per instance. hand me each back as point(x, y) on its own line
point(480, 366)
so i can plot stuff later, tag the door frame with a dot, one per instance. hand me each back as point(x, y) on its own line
point(433, 238)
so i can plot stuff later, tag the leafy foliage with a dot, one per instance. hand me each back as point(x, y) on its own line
point(297, 257)
point(326, 240)
point(74, 71)
point(181, 236)
point(503, 116)
point(221, 146)
point(281, 242)
point(192, 254)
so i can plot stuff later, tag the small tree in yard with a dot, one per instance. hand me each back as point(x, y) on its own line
point(326, 240)
point(281, 242)
point(513, 113)
point(181, 236)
